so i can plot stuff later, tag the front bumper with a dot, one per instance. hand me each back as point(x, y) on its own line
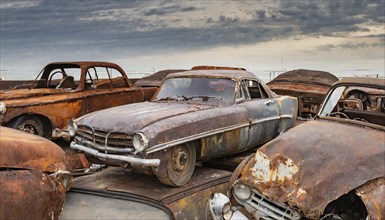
point(216, 206)
point(105, 157)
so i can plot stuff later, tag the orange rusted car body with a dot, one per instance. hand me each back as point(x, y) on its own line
point(309, 86)
point(34, 176)
point(331, 167)
point(49, 103)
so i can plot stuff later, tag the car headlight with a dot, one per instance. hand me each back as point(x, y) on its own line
point(3, 108)
point(72, 128)
point(242, 192)
point(140, 141)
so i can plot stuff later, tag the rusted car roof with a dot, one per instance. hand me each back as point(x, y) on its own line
point(87, 64)
point(223, 73)
point(316, 171)
point(307, 76)
point(30, 152)
point(118, 180)
point(362, 81)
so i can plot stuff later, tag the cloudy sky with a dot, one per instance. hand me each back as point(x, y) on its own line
point(344, 37)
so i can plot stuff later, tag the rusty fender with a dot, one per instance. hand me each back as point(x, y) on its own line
point(27, 194)
point(295, 168)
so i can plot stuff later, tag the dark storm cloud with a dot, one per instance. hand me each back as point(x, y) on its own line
point(65, 26)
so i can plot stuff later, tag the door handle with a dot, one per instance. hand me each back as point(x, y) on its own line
point(268, 103)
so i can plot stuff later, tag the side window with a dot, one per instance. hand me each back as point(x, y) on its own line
point(242, 93)
point(104, 78)
point(256, 90)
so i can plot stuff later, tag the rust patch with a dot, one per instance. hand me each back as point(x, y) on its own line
point(25, 194)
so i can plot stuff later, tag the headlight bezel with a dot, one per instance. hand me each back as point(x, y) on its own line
point(139, 141)
point(240, 188)
point(72, 128)
point(3, 108)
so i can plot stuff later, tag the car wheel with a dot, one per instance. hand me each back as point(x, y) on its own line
point(180, 165)
point(29, 124)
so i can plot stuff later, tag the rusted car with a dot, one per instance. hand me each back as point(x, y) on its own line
point(34, 176)
point(67, 90)
point(116, 193)
point(332, 167)
point(195, 115)
point(309, 86)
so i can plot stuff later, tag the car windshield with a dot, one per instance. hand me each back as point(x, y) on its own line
point(88, 206)
point(197, 89)
point(356, 102)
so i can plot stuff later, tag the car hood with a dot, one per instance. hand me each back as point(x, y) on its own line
point(315, 163)
point(26, 93)
point(133, 117)
point(20, 150)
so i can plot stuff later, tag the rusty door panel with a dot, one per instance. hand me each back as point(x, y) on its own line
point(30, 193)
point(223, 143)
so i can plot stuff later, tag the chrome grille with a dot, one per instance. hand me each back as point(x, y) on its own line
point(114, 139)
point(267, 209)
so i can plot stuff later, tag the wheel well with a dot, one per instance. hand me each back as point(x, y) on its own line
point(47, 125)
point(348, 206)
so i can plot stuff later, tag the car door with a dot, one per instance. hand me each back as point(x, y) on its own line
point(263, 113)
point(105, 87)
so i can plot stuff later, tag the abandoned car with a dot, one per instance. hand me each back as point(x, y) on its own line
point(194, 116)
point(64, 91)
point(309, 86)
point(332, 167)
point(115, 193)
point(34, 176)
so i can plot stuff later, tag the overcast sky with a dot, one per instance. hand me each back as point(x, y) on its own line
point(340, 36)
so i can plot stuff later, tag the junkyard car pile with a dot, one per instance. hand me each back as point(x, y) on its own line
point(195, 115)
point(329, 167)
point(332, 167)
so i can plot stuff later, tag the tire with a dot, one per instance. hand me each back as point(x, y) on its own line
point(180, 165)
point(29, 124)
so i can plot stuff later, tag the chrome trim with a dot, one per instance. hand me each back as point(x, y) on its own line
point(127, 159)
point(268, 209)
point(163, 146)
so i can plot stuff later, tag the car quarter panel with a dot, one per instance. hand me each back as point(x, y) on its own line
point(288, 170)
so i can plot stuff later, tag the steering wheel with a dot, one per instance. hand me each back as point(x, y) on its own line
point(339, 113)
point(54, 73)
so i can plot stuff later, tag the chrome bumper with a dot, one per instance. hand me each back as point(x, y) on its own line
point(216, 204)
point(121, 158)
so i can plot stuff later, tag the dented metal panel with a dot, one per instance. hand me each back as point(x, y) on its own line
point(33, 176)
point(26, 151)
point(295, 168)
point(30, 194)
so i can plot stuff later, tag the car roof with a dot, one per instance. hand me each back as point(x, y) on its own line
point(86, 64)
point(116, 179)
point(362, 81)
point(216, 73)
